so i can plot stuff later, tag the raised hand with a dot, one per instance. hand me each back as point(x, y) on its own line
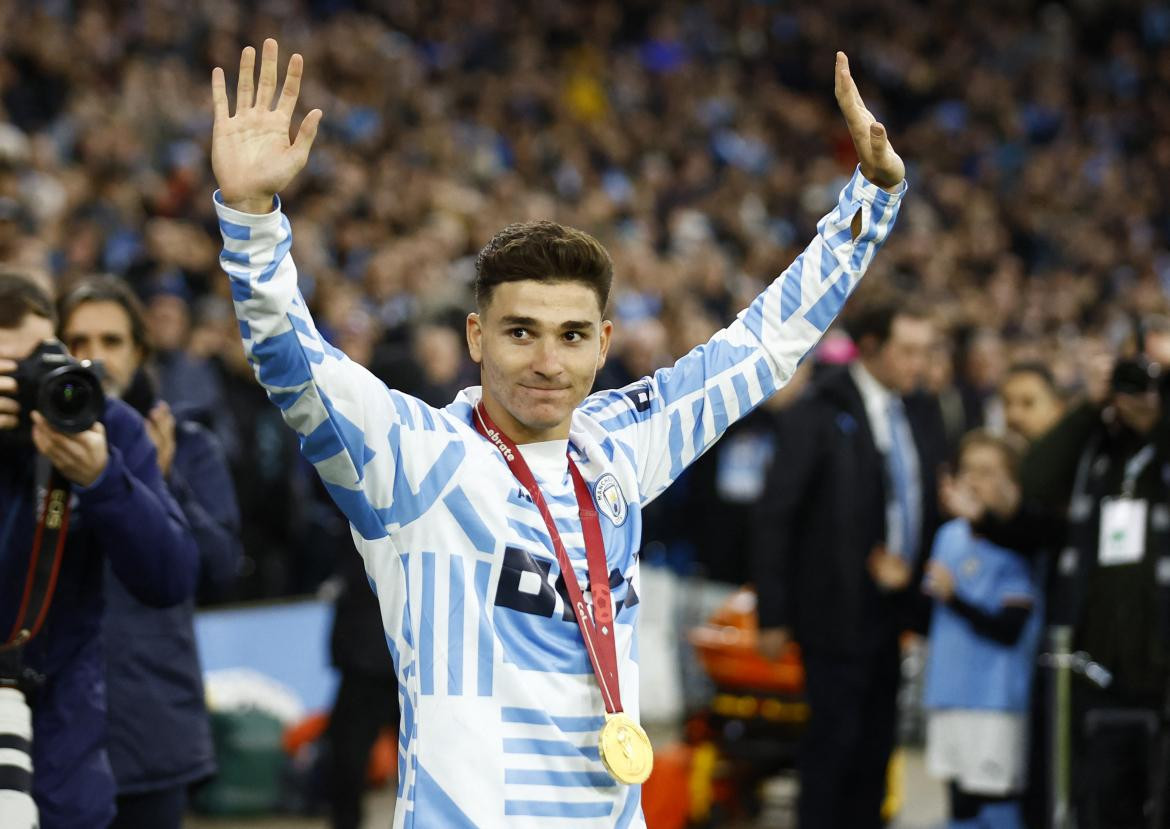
point(251, 154)
point(879, 163)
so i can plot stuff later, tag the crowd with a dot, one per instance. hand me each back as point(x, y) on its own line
point(699, 143)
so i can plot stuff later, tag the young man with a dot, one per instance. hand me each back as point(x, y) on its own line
point(513, 683)
point(159, 732)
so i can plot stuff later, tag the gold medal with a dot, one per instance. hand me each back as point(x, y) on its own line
point(625, 749)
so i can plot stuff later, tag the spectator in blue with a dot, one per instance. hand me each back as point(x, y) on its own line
point(983, 641)
point(121, 514)
point(160, 736)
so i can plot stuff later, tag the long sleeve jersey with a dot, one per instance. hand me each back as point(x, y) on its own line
point(500, 707)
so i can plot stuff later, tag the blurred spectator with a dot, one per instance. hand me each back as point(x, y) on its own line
point(123, 516)
point(983, 641)
point(843, 585)
point(159, 733)
point(1032, 404)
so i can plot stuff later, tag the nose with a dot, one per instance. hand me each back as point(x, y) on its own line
point(546, 360)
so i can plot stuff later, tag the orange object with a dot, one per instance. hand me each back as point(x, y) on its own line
point(383, 756)
point(726, 646)
point(664, 796)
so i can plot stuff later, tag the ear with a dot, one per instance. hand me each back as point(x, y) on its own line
point(606, 333)
point(474, 338)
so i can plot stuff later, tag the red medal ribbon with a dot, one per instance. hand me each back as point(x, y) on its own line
point(596, 629)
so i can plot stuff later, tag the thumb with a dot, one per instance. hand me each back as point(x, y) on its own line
point(877, 137)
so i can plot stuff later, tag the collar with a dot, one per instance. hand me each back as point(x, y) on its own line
point(868, 385)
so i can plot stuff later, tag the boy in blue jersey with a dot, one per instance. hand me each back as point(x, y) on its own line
point(983, 641)
point(501, 532)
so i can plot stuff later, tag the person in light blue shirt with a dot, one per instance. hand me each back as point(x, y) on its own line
point(983, 640)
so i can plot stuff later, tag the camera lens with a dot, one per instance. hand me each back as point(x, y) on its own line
point(71, 399)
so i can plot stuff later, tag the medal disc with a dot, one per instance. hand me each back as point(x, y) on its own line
point(625, 749)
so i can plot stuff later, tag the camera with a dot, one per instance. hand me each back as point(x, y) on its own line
point(17, 808)
point(66, 391)
point(1135, 375)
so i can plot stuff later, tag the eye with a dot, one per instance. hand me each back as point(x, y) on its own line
point(518, 333)
point(574, 337)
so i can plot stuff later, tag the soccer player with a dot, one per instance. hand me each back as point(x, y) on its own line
point(519, 686)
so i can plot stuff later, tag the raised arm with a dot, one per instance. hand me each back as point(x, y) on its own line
point(351, 426)
point(671, 418)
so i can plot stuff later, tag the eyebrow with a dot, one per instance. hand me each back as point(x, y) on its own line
point(529, 322)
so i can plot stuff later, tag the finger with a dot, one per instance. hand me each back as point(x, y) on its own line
point(9, 406)
point(7, 366)
point(877, 139)
point(267, 87)
point(245, 95)
point(219, 99)
point(292, 86)
point(307, 133)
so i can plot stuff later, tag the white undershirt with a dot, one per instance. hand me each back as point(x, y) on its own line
point(548, 459)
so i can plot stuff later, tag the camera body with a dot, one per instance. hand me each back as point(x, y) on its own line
point(66, 391)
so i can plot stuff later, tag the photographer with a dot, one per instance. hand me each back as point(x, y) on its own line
point(118, 510)
point(159, 733)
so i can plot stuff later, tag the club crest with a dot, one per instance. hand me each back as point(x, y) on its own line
point(610, 501)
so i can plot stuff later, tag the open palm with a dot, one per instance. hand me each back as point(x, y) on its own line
point(251, 154)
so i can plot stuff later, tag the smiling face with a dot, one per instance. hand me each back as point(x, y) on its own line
point(539, 345)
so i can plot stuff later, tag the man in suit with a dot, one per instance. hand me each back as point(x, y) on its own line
point(842, 530)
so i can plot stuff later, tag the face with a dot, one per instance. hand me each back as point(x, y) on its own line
point(17, 343)
point(1030, 406)
point(101, 331)
point(1139, 412)
point(900, 364)
point(984, 469)
point(539, 346)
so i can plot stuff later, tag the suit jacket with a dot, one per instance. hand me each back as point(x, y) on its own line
point(824, 511)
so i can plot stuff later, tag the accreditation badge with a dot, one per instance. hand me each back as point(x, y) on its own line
point(625, 749)
point(1123, 531)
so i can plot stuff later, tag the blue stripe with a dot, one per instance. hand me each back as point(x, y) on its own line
point(428, 422)
point(468, 520)
point(403, 409)
point(282, 362)
point(841, 237)
point(245, 330)
point(828, 306)
point(675, 444)
point(426, 634)
point(240, 233)
point(754, 318)
point(409, 505)
point(278, 255)
point(764, 375)
point(538, 716)
point(438, 803)
point(240, 287)
point(485, 653)
point(829, 262)
point(541, 777)
point(633, 801)
point(455, 611)
point(700, 430)
point(302, 326)
point(552, 808)
point(357, 509)
point(718, 409)
point(236, 257)
point(334, 434)
point(285, 399)
point(741, 394)
point(548, 748)
point(790, 293)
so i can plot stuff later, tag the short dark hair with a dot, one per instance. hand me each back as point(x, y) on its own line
point(876, 317)
point(544, 251)
point(1037, 369)
point(20, 295)
point(107, 288)
point(1010, 447)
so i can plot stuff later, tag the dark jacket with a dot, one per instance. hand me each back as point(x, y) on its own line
point(822, 514)
point(127, 518)
point(159, 733)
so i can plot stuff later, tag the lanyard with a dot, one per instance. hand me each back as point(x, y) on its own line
point(1134, 468)
point(596, 630)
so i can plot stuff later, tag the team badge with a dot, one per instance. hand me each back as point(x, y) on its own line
point(610, 501)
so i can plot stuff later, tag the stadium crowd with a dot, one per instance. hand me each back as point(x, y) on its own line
point(696, 140)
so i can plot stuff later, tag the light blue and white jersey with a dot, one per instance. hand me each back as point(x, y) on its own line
point(500, 708)
point(965, 669)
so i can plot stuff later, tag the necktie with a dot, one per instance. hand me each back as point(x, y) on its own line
point(905, 499)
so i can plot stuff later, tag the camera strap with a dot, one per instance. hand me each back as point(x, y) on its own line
point(44, 561)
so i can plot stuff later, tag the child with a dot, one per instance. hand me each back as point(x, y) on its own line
point(983, 641)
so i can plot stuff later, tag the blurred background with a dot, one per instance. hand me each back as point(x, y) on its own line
point(699, 141)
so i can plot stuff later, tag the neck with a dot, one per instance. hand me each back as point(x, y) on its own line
point(519, 433)
point(870, 370)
